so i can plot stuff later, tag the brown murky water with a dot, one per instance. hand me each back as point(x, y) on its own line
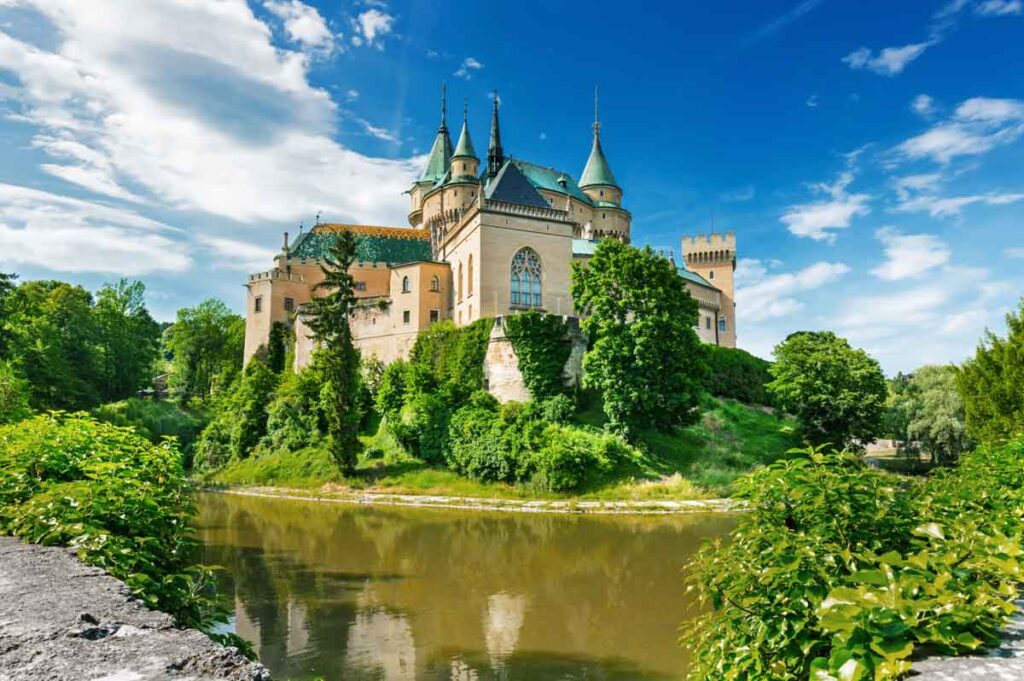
point(358, 593)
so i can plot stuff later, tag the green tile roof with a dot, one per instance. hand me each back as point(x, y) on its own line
point(440, 157)
point(391, 245)
point(513, 186)
point(547, 178)
point(694, 277)
point(583, 247)
point(464, 147)
point(597, 171)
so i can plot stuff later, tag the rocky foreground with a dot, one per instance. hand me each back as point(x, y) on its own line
point(62, 620)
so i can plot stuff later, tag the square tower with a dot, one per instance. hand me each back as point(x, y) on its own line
point(713, 256)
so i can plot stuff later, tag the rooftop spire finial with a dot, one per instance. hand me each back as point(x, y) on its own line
point(444, 105)
point(465, 109)
point(597, 120)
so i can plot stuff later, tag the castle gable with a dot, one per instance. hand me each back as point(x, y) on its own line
point(548, 178)
point(512, 186)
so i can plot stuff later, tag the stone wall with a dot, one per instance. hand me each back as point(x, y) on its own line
point(61, 620)
point(501, 365)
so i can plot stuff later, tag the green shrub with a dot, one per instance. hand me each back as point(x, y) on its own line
point(482, 446)
point(422, 427)
point(154, 420)
point(542, 349)
point(454, 356)
point(558, 409)
point(393, 386)
point(569, 455)
point(295, 418)
point(240, 417)
point(121, 501)
point(737, 374)
point(841, 572)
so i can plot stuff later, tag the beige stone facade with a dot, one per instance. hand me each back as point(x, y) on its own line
point(485, 239)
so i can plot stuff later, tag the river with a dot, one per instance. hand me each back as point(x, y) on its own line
point(357, 593)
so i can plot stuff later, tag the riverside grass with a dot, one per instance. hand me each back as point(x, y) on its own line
point(842, 573)
point(697, 462)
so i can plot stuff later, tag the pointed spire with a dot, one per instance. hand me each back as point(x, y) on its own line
point(441, 152)
point(597, 170)
point(495, 154)
point(464, 147)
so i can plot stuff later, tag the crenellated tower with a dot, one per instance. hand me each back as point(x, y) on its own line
point(713, 256)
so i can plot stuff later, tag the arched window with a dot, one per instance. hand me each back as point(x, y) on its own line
point(526, 275)
point(711, 274)
point(406, 286)
point(435, 283)
point(469, 279)
point(721, 324)
point(460, 282)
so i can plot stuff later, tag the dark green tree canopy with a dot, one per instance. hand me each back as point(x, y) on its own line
point(837, 392)
point(205, 341)
point(646, 358)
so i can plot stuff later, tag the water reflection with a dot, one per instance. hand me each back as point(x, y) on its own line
point(358, 593)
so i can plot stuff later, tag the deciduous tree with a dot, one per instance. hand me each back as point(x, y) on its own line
point(128, 339)
point(205, 341)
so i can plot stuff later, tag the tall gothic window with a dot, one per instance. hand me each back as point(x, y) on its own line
point(469, 280)
point(526, 278)
point(460, 282)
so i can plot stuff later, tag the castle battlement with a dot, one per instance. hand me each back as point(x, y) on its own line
point(276, 274)
point(720, 239)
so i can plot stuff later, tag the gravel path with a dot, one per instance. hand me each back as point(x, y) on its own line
point(1006, 663)
point(61, 620)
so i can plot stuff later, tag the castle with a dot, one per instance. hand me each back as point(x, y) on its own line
point(481, 242)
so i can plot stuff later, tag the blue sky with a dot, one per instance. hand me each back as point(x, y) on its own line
point(869, 156)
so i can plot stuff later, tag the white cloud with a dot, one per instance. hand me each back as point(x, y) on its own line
point(762, 296)
point(889, 62)
point(351, 95)
point(923, 105)
point(468, 66)
point(238, 255)
point(64, 234)
point(209, 117)
point(812, 102)
point(909, 255)
point(999, 7)
point(977, 126)
point(911, 185)
point(1016, 252)
point(303, 24)
point(815, 220)
point(372, 26)
point(947, 206)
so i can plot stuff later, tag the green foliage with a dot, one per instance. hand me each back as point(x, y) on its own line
point(737, 374)
point(542, 347)
point(841, 572)
point(558, 409)
point(205, 342)
point(569, 455)
point(7, 288)
point(155, 420)
point(394, 384)
point(453, 356)
point(13, 394)
point(239, 417)
point(328, 319)
point(122, 502)
point(928, 411)
point(646, 359)
point(422, 427)
point(990, 383)
point(128, 339)
point(295, 417)
point(277, 347)
point(838, 393)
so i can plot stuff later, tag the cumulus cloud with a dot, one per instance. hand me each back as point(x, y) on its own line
point(923, 105)
point(210, 117)
point(890, 61)
point(909, 255)
point(763, 296)
point(468, 66)
point(371, 27)
point(65, 234)
point(977, 126)
point(1016, 252)
point(818, 220)
point(947, 206)
point(303, 24)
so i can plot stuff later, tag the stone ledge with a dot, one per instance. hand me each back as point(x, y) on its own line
point(64, 621)
point(1005, 663)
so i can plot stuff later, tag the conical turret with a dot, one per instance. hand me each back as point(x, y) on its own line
point(495, 154)
point(597, 172)
point(441, 151)
point(464, 147)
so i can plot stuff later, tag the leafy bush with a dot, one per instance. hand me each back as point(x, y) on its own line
point(240, 419)
point(990, 384)
point(841, 572)
point(737, 374)
point(558, 409)
point(453, 356)
point(154, 420)
point(295, 417)
point(422, 427)
point(569, 455)
point(542, 349)
point(482, 446)
point(393, 386)
point(121, 501)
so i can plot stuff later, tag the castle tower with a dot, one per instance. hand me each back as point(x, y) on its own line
point(437, 166)
point(597, 180)
point(464, 159)
point(495, 154)
point(713, 256)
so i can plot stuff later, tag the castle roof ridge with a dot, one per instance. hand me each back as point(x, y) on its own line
point(373, 230)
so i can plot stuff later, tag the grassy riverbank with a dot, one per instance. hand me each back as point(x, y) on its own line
point(698, 462)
